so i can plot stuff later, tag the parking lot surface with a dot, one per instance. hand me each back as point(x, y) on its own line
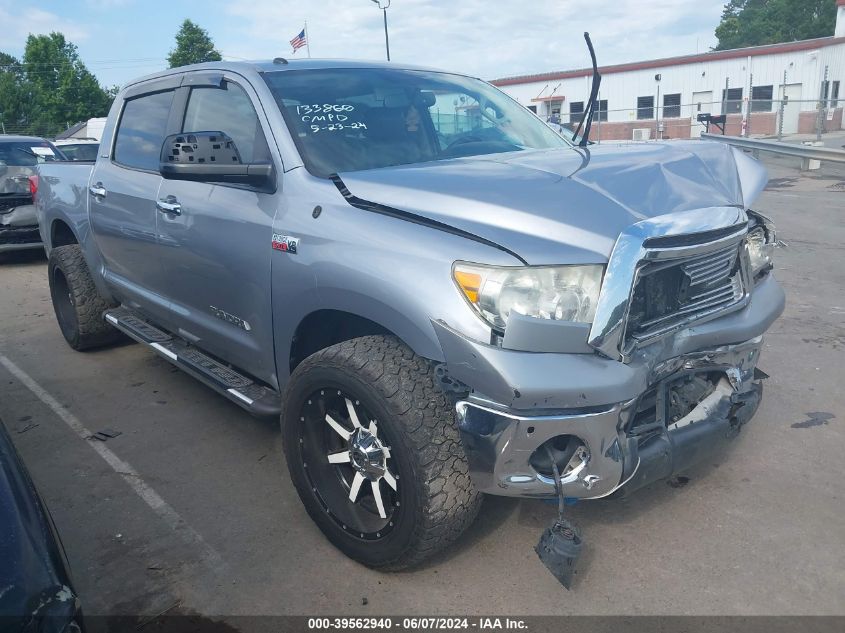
point(190, 508)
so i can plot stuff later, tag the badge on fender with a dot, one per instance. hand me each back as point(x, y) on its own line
point(285, 243)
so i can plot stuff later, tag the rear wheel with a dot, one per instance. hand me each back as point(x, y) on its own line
point(374, 453)
point(78, 306)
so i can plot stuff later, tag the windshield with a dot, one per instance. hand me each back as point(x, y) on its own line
point(27, 153)
point(352, 119)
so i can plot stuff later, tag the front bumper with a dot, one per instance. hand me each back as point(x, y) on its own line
point(520, 401)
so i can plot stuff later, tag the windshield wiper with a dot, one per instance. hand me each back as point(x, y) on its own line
point(26, 151)
point(591, 104)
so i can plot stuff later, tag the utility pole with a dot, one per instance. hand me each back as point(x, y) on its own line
point(384, 8)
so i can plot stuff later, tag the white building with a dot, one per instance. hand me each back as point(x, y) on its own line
point(662, 98)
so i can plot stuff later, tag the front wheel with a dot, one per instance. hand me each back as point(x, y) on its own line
point(374, 452)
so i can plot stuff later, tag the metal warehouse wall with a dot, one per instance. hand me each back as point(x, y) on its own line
point(804, 75)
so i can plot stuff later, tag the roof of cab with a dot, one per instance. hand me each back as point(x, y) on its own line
point(264, 66)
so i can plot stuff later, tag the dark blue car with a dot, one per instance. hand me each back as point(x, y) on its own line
point(36, 593)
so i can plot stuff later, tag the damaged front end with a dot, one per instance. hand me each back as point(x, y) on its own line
point(668, 371)
point(695, 404)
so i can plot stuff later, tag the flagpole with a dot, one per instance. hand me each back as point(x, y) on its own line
point(307, 40)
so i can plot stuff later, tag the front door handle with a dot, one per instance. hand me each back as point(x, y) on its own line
point(169, 205)
point(97, 190)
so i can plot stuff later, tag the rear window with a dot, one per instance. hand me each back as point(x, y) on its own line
point(81, 151)
point(141, 131)
point(27, 153)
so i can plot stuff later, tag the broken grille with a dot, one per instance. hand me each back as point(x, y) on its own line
point(669, 293)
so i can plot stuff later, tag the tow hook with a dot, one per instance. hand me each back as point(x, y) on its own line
point(590, 480)
point(560, 544)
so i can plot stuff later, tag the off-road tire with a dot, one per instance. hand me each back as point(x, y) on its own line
point(78, 305)
point(425, 444)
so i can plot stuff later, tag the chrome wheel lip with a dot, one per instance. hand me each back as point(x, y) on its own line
point(361, 460)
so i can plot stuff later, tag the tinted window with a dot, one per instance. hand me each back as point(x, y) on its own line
point(81, 151)
point(228, 110)
point(142, 129)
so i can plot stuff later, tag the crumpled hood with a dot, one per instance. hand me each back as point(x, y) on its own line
point(567, 205)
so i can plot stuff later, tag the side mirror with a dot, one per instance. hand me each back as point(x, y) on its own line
point(210, 157)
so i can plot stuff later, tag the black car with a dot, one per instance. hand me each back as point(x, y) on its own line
point(36, 592)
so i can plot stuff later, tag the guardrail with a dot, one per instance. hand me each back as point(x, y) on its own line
point(807, 152)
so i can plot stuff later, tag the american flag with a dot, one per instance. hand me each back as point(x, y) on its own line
point(298, 41)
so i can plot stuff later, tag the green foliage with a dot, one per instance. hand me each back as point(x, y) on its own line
point(757, 22)
point(193, 46)
point(49, 88)
point(12, 92)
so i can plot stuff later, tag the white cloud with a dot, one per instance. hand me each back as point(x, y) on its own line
point(18, 20)
point(489, 39)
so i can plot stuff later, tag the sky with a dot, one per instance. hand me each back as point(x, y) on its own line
point(122, 39)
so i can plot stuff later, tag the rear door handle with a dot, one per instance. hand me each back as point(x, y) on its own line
point(97, 190)
point(169, 205)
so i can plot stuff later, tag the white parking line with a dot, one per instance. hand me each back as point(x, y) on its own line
point(209, 555)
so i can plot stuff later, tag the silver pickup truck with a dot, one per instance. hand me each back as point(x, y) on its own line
point(439, 295)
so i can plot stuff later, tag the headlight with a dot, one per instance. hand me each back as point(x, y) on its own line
point(761, 243)
point(559, 293)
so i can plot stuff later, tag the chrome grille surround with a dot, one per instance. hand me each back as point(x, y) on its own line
point(699, 241)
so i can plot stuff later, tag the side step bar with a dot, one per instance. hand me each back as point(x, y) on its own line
point(240, 389)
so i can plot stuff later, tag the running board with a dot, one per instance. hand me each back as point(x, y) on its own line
point(240, 389)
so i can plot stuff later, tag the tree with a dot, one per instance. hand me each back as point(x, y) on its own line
point(193, 46)
point(12, 95)
point(756, 22)
point(49, 88)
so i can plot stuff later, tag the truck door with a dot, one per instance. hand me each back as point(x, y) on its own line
point(122, 200)
point(215, 249)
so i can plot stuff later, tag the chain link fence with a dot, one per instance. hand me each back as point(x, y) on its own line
point(773, 118)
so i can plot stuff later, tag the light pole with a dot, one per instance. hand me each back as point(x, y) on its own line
point(384, 8)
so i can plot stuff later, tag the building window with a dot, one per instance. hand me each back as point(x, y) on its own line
point(600, 113)
point(645, 107)
point(533, 108)
point(576, 111)
point(761, 98)
point(732, 101)
point(672, 106)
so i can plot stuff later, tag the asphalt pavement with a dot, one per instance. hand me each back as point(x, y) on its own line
point(190, 508)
